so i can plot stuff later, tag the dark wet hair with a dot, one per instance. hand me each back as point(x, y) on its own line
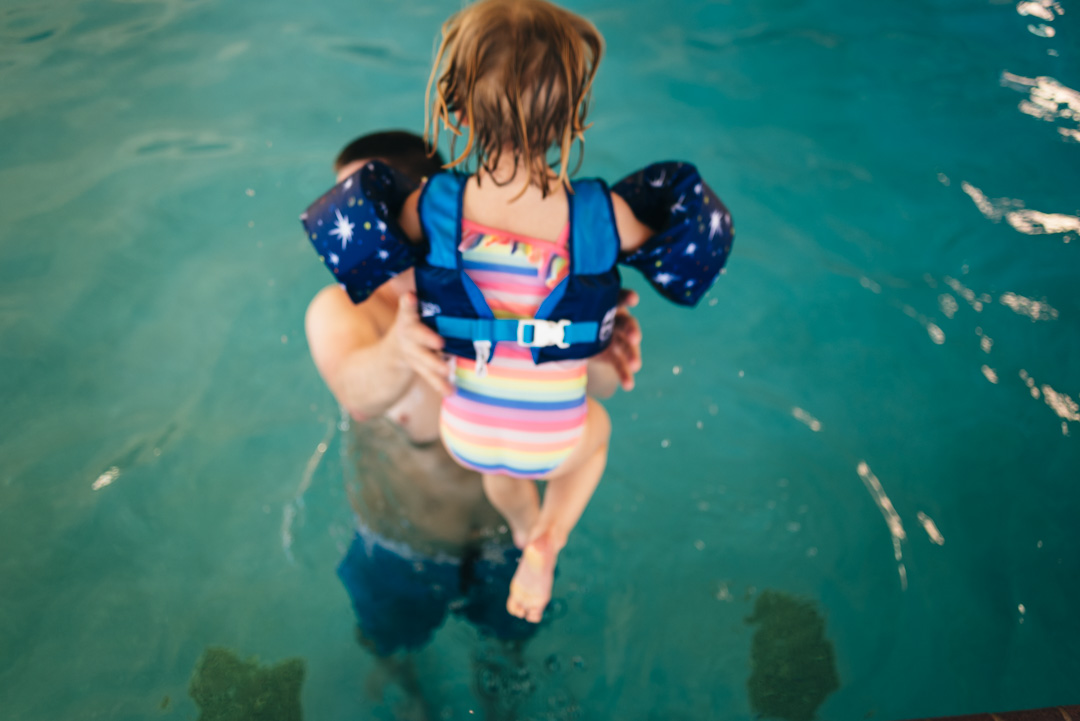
point(402, 150)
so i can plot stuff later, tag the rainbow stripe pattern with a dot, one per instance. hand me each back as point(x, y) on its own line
point(519, 419)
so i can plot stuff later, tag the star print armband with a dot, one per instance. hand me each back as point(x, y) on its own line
point(694, 231)
point(354, 229)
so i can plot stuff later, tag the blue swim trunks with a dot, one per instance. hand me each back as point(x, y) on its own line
point(401, 598)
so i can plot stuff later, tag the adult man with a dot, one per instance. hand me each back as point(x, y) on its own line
point(427, 536)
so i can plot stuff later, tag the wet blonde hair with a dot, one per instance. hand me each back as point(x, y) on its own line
point(516, 75)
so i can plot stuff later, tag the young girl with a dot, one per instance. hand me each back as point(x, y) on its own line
point(515, 266)
point(512, 77)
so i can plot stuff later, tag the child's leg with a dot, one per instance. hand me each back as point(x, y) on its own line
point(517, 500)
point(569, 490)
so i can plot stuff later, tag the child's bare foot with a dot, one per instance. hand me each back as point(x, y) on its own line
point(530, 589)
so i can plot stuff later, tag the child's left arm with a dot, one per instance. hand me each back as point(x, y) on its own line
point(673, 228)
point(632, 232)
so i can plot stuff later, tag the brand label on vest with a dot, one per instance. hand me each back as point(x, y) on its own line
point(429, 309)
point(607, 326)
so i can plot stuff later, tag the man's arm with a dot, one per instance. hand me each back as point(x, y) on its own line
point(366, 369)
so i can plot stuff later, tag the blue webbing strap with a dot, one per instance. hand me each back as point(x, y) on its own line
point(495, 330)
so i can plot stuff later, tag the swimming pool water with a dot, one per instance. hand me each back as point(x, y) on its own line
point(875, 409)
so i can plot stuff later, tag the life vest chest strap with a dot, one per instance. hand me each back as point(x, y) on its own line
point(529, 333)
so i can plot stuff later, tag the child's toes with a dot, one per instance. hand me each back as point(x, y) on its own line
point(514, 608)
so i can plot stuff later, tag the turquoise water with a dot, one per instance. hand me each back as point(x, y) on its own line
point(891, 359)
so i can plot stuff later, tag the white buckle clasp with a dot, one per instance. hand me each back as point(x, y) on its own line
point(483, 355)
point(545, 333)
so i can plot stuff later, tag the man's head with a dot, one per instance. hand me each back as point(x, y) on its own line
point(401, 150)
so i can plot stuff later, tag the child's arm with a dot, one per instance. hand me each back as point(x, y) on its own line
point(693, 228)
point(632, 232)
point(409, 219)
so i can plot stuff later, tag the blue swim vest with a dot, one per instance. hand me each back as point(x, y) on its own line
point(577, 318)
point(355, 231)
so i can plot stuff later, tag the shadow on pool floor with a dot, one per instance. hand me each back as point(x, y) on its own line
point(793, 665)
point(227, 688)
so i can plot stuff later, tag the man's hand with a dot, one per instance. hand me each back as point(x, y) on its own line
point(419, 347)
point(624, 352)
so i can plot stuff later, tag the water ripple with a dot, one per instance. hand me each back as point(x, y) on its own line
point(1048, 100)
point(1019, 218)
point(892, 518)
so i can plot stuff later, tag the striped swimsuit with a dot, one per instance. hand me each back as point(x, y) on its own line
point(520, 419)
